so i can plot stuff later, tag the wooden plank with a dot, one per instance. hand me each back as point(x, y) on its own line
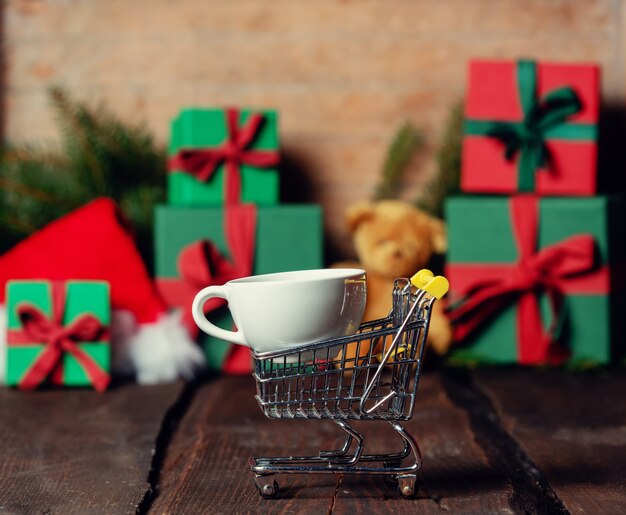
point(206, 466)
point(572, 426)
point(77, 451)
point(206, 469)
point(456, 474)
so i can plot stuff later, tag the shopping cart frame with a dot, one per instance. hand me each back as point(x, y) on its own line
point(309, 382)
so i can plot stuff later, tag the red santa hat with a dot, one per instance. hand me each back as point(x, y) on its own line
point(94, 242)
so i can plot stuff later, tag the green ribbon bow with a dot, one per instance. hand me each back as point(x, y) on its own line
point(544, 118)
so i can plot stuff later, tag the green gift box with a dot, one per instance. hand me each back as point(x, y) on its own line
point(533, 280)
point(222, 156)
point(288, 237)
point(58, 332)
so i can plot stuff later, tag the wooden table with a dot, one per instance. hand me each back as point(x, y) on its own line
point(494, 440)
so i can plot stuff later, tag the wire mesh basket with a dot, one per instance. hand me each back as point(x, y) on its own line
point(370, 375)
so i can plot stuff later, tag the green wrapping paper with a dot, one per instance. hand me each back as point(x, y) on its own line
point(288, 237)
point(486, 254)
point(81, 302)
point(216, 139)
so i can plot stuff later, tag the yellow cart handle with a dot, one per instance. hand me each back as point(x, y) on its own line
point(426, 281)
point(435, 285)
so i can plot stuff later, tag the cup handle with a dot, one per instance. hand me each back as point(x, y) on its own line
point(197, 310)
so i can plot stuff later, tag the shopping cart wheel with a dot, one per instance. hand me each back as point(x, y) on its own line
point(406, 485)
point(267, 486)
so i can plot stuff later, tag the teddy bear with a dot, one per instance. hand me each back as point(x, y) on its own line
point(392, 239)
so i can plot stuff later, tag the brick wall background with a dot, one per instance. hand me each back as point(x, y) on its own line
point(344, 74)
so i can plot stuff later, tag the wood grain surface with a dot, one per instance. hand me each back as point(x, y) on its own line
point(205, 469)
point(494, 441)
point(206, 465)
point(77, 451)
point(572, 427)
point(456, 474)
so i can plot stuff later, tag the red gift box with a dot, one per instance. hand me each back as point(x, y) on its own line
point(531, 127)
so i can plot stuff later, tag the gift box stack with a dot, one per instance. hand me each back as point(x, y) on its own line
point(223, 219)
point(533, 251)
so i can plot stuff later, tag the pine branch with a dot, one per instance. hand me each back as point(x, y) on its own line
point(401, 150)
point(99, 155)
point(19, 225)
point(36, 194)
point(446, 180)
point(12, 154)
point(31, 173)
point(77, 126)
point(126, 154)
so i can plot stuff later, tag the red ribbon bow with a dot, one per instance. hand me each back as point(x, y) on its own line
point(546, 270)
point(59, 339)
point(203, 162)
point(201, 264)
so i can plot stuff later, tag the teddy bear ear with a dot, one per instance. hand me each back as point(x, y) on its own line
point(358, 213)
point(439, 235)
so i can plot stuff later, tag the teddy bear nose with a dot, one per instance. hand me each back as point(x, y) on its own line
point(397, 254)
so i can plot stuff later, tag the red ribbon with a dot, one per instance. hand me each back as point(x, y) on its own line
point(201, 264)
point(555, 269)
point(203, 162)
point(59, 339)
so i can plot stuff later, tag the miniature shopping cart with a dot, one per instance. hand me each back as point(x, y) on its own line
point(370, 375)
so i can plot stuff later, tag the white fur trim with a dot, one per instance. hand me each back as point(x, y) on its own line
point(160, 352)
point(155, 353)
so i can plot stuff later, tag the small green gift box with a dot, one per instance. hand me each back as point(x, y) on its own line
point(58, 333)
point(223, 156)
point(187, 244)
point(533, 280)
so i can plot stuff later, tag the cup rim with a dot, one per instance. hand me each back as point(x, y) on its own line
point(317, 275)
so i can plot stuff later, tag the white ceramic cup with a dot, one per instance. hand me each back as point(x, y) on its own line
point(289, 309)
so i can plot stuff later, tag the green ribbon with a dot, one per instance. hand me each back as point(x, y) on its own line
point(544, 118)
